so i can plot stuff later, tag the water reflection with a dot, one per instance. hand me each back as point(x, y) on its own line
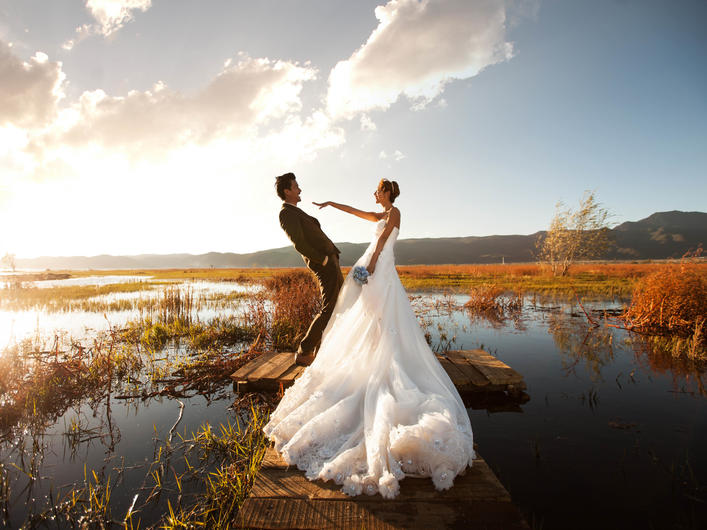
point(618, 420)
point(83, 318)
point(579, 341)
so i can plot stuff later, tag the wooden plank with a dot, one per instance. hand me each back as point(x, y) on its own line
point(469, 370)
point(304, 514)
point(475, 376)
point(243, 371)
point(275, 483)
point(357, 514)
point(458, 377)
point(272, 459)
point(478, 484)
point(497, 372)
point(273, 368)
point(291, 374)
point(285, 363)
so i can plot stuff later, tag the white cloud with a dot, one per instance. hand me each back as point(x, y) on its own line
point(30, 90)
point(418, 47)
point(82, 32)
point(245, 95)
point(250, 111)
point(110, 15)
point(114, 14)
point(397, 155)
point(367, 123)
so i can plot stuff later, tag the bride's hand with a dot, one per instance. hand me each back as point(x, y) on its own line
point(371, 268)
point(321, 204)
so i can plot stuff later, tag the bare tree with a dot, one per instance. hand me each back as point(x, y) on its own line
point(575, 235)
point(9, 260)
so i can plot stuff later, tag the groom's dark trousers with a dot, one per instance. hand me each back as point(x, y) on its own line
point(314, 246)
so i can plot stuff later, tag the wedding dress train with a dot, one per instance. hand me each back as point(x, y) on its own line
point(375, 405)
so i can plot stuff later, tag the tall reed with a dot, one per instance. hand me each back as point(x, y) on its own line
point(295, 301)
point(672, 302)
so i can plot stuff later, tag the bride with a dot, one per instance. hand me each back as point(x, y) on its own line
point(375, 406)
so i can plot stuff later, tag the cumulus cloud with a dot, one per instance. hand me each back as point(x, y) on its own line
point(247, 93)
point(418, 47)
point(30, 90)
point(251, 110)
point(114, 14)
point(110, 15)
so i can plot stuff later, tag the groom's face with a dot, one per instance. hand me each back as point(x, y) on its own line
point(292, 195)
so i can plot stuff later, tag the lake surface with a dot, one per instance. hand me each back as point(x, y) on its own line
point(16, 326)
point(613, 436)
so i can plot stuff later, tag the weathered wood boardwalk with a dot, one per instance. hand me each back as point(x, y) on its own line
point(284, 498)
point(469, 370)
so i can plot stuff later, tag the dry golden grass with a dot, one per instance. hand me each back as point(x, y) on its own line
point(491, 301)
point(590, 278)
point(672, 302)
point(605, 279)
point(296, 300)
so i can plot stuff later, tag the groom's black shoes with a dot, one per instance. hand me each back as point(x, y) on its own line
point(304, 359)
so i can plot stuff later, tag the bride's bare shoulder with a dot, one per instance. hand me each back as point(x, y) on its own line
point(394, 217)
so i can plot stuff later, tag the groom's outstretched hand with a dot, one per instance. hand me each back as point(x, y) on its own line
point(321, 204)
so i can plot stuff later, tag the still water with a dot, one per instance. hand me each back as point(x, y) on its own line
point(613, 436)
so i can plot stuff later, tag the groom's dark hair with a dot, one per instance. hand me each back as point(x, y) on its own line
point(282, 183)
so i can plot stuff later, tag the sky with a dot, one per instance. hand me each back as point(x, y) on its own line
point(158, 126)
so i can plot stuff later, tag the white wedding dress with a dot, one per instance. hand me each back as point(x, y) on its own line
point(375, 405)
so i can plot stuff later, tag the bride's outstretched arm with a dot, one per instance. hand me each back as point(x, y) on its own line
point(368, 216)
point(393, 221)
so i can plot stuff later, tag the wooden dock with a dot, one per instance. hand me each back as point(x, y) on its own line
point(284, 498)
point(469, 370)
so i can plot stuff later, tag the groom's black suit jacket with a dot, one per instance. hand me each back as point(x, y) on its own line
point(307, 236)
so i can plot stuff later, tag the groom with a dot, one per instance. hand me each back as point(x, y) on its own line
point(319, 254)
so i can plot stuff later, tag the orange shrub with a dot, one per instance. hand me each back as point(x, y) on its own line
point(672, 300)
point(296, 300)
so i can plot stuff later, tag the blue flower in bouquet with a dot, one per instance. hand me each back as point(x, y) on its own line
point(360, 275)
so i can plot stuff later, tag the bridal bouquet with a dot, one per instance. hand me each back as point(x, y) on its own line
point(360, 275)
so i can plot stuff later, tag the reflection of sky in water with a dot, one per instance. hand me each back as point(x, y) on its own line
point(16, 326)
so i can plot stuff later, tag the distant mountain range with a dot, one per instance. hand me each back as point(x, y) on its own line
point(659, 236)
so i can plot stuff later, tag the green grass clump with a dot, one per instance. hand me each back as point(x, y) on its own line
point(235, 454)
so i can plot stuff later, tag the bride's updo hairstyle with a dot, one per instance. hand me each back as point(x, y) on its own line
point(391, 187)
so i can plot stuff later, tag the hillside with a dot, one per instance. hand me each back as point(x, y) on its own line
point(659, 236)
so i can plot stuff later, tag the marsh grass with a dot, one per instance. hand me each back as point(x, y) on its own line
point(64, 298)
point(669, 306)
point(491, 301)
point(295, 301)
point(234, 454)
point(590, 278)
point(597, 279)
